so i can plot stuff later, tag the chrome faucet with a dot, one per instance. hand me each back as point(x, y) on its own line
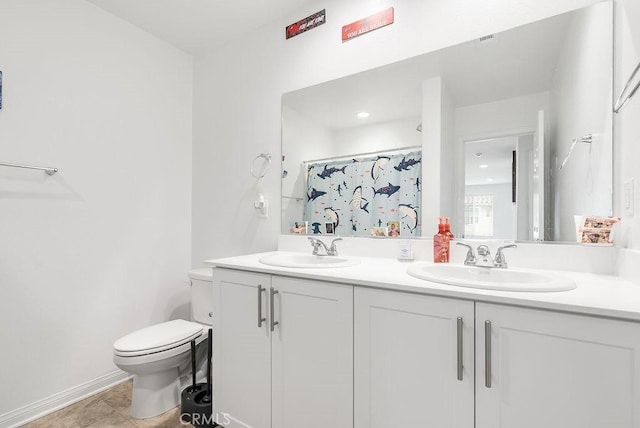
point(470, 258)
point(500, 261)
point(484, 256)
point(330, 251)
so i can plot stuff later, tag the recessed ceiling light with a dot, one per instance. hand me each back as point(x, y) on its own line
point(363, 115)
point(489, 179)
point(484, 165)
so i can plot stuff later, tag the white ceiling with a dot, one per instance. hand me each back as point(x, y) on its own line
point(496, 154)
point(193, 25)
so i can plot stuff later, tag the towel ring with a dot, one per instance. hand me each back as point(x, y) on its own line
point(264, 168)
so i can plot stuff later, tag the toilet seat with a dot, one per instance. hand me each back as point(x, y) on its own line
point(157, 338)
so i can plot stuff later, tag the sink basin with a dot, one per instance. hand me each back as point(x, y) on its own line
point(492, 279)
point(307, 261)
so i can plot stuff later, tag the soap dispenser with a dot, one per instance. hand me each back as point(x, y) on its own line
point(441, 244)
point(447, 230)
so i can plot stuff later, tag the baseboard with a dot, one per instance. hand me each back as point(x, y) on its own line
point(28, 413)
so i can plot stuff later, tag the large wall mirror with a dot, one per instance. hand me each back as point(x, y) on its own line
point(510, 136)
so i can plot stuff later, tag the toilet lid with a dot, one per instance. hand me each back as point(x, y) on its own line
point(158, 337)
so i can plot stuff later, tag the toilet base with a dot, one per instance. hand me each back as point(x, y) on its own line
point(155, 393)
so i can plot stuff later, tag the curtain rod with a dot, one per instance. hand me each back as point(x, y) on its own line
point(362, 154)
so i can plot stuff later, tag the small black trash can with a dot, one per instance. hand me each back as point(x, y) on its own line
point(196, 405)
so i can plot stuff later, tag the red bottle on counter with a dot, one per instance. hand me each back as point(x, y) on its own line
point(441, 244)
point(447, 230)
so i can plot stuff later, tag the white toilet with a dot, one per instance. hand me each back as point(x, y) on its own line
point(160, 355)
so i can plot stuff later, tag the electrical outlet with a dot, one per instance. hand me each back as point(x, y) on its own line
point(628, 197)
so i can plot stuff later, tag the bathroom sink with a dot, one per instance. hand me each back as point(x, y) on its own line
point(492, 279)
point(306, 261)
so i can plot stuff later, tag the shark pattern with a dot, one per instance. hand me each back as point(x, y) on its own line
point(386, 190)
point(378, 166)
point(411, 214)
point(328, 172)
point(406, 164)
point(351, 200)
point(356, 202)
point(333, 215)
point(315, 194)
point(310, 173)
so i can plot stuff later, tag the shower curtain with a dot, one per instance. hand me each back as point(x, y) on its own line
point(359, 194)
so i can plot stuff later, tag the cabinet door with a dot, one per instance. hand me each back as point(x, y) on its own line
point(242, 350)
point(555, 370)
point(406, 361)
point(312, 354)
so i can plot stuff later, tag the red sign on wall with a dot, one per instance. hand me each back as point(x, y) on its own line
point(367, 24)
point(305, 24)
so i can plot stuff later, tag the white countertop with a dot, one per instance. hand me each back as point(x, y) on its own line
point(599, 295)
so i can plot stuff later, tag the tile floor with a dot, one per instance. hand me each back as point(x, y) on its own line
point(107, 409)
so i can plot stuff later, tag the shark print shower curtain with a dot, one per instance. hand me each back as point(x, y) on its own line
point(359, 194)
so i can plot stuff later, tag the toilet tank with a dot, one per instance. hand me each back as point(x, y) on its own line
point(201, 295)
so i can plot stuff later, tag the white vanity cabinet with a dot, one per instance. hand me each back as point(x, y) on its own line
point(242, 350)
point(532, 368)
point(414, 360)
point(555, 370)
point(292, 353)
point(283, 351)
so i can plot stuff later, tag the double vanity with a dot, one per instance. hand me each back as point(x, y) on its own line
point(315, 341)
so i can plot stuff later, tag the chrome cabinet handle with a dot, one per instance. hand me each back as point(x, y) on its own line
point(274, 323)
point(487, 354)
point(261, 319)
point(459, 337)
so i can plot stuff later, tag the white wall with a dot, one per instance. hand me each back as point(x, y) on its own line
point(432, 150)
point(307, 140)
point(503, 117)
point(438, 148)
point(627, 125)
point(238, 89)
point(583, 186)
point(102, 247)
point(377, 137)
point(448, 196)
